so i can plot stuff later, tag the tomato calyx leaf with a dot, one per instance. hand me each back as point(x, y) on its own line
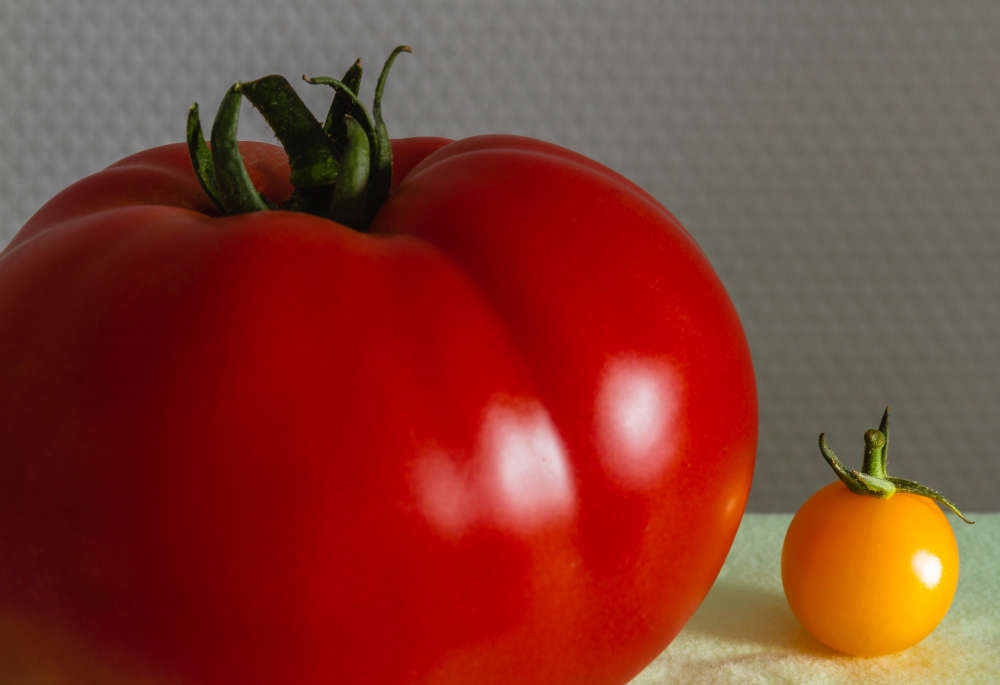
point(858, 482)
point(872, 480)
point(382, 171)
point(903, 485)
point(235, 189)
point(345, 102)
point(341, 169)
point(201, 156)
point(311, 154)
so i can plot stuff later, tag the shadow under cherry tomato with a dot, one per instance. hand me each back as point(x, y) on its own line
point(747, 614)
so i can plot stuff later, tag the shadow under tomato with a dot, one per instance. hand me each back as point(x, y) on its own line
point(747, 614)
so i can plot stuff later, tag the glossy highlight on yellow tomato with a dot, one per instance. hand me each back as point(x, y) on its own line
point(866, 575)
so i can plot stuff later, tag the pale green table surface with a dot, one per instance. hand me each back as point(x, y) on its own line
point(745, 633)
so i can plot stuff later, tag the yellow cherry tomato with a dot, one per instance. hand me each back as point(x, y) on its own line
point(869, 576)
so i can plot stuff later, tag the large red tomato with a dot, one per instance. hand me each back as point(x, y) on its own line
point(504, 436)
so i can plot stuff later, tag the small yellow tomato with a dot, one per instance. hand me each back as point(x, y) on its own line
point(869, 576)
point(870, 563)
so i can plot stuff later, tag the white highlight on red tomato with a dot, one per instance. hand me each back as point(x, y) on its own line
point(636, 408)
point(445, 496)
point(531, 476)
point(519, 475)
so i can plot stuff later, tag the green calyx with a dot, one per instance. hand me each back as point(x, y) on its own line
point(340, 169)
point(873, 480)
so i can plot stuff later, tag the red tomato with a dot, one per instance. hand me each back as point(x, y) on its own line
point(505, 437)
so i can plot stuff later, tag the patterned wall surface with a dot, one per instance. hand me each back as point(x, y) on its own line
point(838, 162)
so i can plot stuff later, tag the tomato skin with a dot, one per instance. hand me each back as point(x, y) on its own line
point(506, 437)
point(869, 576)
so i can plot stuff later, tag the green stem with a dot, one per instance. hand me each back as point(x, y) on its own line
point(858, 482)
point(874, 461)
point(873, 480)
point(341, 169)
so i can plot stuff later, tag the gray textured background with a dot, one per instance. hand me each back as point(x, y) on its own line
point(839, 163)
